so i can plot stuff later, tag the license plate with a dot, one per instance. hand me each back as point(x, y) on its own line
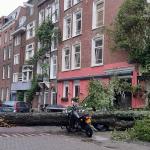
point(88, 121)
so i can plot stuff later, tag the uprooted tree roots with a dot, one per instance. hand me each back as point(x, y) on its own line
point(5, 123)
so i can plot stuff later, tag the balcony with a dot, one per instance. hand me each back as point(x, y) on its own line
point(20, 86)
point(19, 29)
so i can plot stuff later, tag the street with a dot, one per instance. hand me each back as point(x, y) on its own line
point(53, 138)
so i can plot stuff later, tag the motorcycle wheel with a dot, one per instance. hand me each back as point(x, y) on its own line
point(88, 131)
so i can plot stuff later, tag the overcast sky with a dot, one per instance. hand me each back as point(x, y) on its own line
point(7, 6)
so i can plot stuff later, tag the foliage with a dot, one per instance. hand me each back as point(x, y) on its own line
point(98, 96)
point(34, 88)
point(102, 96)
point(140, 131)
point(132, 30)
point(20, 95)
point(45, 33)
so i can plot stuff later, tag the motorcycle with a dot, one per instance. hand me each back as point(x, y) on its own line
point(79, 122)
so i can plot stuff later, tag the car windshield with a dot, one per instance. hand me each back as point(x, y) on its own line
point(9, 103)
point(56, 106)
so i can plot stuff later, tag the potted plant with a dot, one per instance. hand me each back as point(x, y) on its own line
point(137, 91)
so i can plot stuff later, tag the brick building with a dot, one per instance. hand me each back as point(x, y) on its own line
point(83, 54)
point(85, 51)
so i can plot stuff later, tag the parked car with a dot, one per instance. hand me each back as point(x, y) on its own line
point(15, 106)
point(55, 108)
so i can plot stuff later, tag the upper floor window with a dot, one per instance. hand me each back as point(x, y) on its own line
point(67, 28)
point(2, 94)
point(77, 23)
point(15, 77)
point(53, 71)
point(17, 40)
point(22, 21)
point(5, 37)
point(29, 51)
point(76, 1)
point(16, 59)
point(97, 51)
point(31, 11)
point(30, 30)
point(3, 73)
point(27, 73)
point(7, 94)
point(5, 54)
point(66, 59)
point(0, 40)
point(67, 4)
point(8, 71)
point(41, 16)
point(9, 52)
point(76, 58)
point(98, 13)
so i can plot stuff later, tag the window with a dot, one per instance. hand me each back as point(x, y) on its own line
point(67, 4)
point(98, 13)
point(2, 94)
point(15, 77)
point(3, 72)
point(77, 23)
point(30, 30)
point(48, 12)
point(5, 37)
point(97, 51)
point(5, 53)
point(67, 28)
point(66, 89)
point(41, 16)
point(17, 40)
point(27, 73)
point(54, 44)
point(16, 59)
point(76, 1)
point(66, 59)
point(76, 59)
point(29, 51)
point(8, 71)
point(76, 89)
point(22, 21)
point(7, 94)
point(9, 52)
point(31, 11)
point(53, 67)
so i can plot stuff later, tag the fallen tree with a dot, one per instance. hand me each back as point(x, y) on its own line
point(118, 120)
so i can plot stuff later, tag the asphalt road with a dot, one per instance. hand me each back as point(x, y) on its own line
point(45, 139)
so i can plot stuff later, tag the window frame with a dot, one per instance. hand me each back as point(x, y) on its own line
point(76, 83)
point(65, 85)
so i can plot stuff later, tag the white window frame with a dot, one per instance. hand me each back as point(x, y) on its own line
point(63, 59)
point(8, 71)
point(17, 40)
point(48, 12)
point(9, 52)
point(53, 70)
point(16, 59)
point(65, 85)
point(94, 16)
point(93, 63)
point(66, 4)
point(28, 56)
point(41, 16)
point(76, 83)
point(65, 28)
point(2, 94)
point(7, 93)
point(4, 53)
point(5, 37)
point(73, 56)
point(27, 71)
point(76, 2)
point(75, 22)
point(15, 77)
point(3, 73)
point(30, 26)
point(22, 21)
